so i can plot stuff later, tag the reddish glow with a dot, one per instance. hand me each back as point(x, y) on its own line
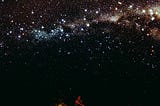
point(78, 102)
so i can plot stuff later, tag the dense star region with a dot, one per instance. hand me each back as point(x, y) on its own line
point(66, 48)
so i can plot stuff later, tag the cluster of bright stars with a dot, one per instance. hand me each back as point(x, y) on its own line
point(83, 23)
point(153, 12)
point(43, 35)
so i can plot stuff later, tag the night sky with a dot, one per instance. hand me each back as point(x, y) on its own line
point(107, 51)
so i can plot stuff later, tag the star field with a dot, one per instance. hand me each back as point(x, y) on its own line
point(56, 40)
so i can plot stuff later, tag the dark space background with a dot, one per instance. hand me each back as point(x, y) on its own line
point(103, 73)
point(50, 75)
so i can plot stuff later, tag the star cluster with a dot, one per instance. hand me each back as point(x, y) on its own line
point(96, 39)
point(119, 21)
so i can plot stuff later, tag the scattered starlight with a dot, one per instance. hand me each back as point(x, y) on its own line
point(79, 36)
